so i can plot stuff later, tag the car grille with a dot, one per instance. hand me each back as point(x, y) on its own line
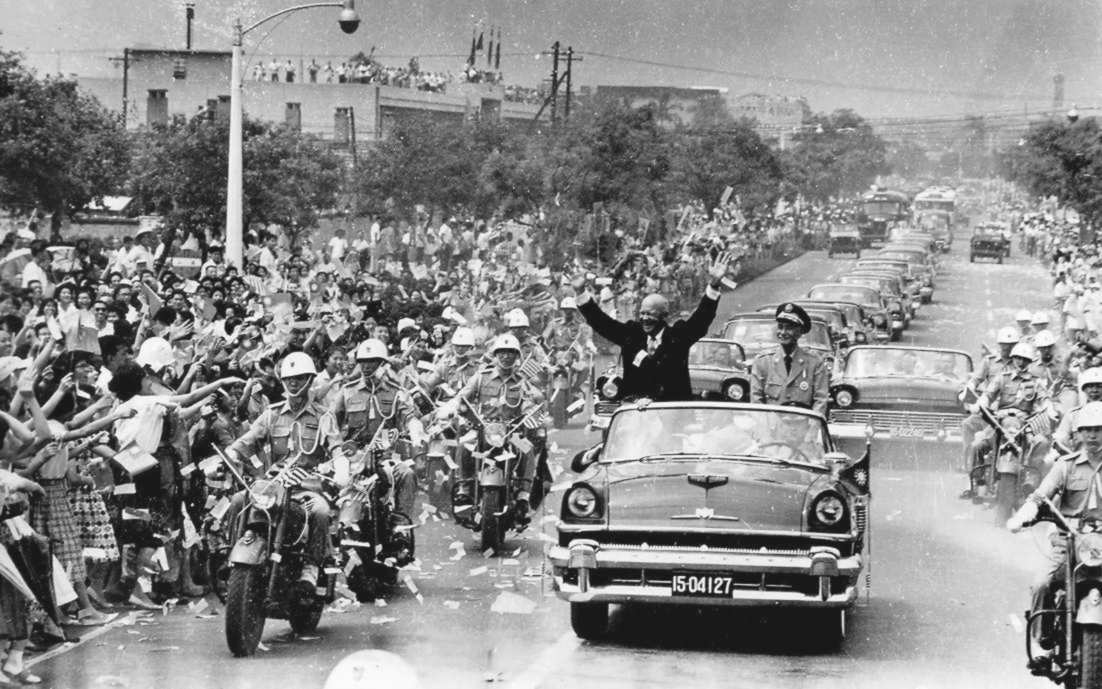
point(884, 419)
point(713, 542)
point(605, 408)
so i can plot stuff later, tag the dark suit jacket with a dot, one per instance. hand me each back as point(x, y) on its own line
point(665, 374)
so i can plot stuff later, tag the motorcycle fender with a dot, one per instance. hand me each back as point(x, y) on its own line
point(1007, 463)
point(491, 476)
point(252, 553)
point(1090, 611)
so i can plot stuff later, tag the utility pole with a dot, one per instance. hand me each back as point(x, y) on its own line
point(555, 83)
point(189, 14)
point(125, 60)
point(570, 60)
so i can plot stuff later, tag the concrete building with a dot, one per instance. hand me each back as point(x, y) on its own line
point(160, 84)
point(778, 118)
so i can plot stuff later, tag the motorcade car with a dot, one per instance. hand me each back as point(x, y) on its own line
point(988, 241)
point(896, 392)
point(879, 211)
point(898, 286)
point(868, 298)
point(913, 277)
point(923, 263)
point(718, 369)
point(898, 316)
point(712, 504)
point(844, 239)
point(939, 224)
point(756, 332)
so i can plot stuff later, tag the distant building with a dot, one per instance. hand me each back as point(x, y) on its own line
point(675, 104)
point(778, 118)
point(160, 84)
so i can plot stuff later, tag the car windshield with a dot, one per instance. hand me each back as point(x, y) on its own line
point(761, 334)
point(783, 435)
point(844, 293)
point(901, 362)
point(718, 354)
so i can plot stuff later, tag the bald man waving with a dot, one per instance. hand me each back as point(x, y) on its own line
point(654, 353)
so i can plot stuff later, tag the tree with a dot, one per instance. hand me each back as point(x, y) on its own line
point(179, 171)
point(59, 148)
point(836, 154)
point(708, 159)
point(1060, 159)
point(907, 159)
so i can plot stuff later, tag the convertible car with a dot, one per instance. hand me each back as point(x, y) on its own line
point(718, 370)
point(712, 503)
point(896, 393)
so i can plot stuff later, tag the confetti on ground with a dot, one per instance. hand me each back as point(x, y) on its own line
point(510, 562)
point(380, 603)
point(382, 619)
point(532, 573)
point(451, 604)
point(488, 553)
point(513, 604)
point(893, 515)
point(164, 649)
point(479, 570)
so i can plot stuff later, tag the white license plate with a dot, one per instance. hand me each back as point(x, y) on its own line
point(907, 432)
point(702, 584)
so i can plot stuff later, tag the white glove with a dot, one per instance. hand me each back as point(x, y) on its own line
point(1026, 513)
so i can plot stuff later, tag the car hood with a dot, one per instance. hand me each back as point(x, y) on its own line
point(902, 392)
point(762, 496)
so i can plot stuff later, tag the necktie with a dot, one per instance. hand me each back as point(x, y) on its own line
point(788, 363)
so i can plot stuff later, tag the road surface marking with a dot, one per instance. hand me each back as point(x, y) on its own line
point(548, 662)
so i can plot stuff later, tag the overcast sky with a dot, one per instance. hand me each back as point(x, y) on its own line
point(919, 57)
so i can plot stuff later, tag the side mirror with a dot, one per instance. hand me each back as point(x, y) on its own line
point(585, 458)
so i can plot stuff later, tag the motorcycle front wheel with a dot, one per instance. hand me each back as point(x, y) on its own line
point(1006, 493)
point(244, 610)
point(493, 533)
point(1090, 654)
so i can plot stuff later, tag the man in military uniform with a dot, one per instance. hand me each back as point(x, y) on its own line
point(1015, 388)
point(533, 357)
point(297, 427)
point(568, 331)
point(791, 374)
point(1090, 387)
point(455, 365)
point(991, 366)
point(1048, 366)
point(1072, 479)
point(499, 394)
point(374, 405)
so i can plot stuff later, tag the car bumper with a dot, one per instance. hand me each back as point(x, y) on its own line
point(575, 566)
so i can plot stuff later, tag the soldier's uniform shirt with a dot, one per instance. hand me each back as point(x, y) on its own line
point(1064, 433)
point(1010, 389)
point(990, 367)
point(1050, 371)
point(559, 334)
point(450, 372)
point(362, 407)
point(499, 396)
point(1076, 481)
point(807, 383)
point(311, 430)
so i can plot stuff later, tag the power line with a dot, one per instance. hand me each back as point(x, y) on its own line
point(817, 82)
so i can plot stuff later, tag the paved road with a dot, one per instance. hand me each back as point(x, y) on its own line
point(948, 588)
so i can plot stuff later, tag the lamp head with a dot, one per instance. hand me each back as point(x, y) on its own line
point(349, 19)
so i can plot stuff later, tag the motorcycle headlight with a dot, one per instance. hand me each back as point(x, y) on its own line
point(582, 502)
point(266, 494)
point(733, 391)
point(843, 398)
point(610, 389)
point(860, 338)
point(495, 435)
point(829, 510)
point(1088, 549)
point(880, 320)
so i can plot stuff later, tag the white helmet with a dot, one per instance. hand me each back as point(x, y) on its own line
point(1044, 338)
point(156, 353)
point(568, 303)
point(1074, 324)
point(297, 364)
point(516, 319)
point(1023, 350)
point(1008, 336)
point(506, 342)
point(369, 669)
point(371, 349)
point(463, 337)
point(404, 323)
point(1024, 315)
point(1092, 376)
point(1040, 318)
point(1090, 416)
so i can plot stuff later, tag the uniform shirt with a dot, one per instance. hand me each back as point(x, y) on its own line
point(1011, 389)
point(807, 383)
point(362, 408)
point(1075, 479)
point(499, 396)
point(990, 367)
point(312, 430)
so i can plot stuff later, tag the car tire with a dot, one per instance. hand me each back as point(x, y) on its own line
point(828, 628)
point(1000, 260)
point(589, 620)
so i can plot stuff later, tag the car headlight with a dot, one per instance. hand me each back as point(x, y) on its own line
point(860, 338)
point(1088, 549)
point(582, 502)
point(610, 389)
point(829, 510)
point(843, 398)
point(733, 391)
point(880, 320)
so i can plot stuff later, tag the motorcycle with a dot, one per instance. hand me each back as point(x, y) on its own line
point(270, 536)
point(1073, 626)
point(488, 503)
point(1008, 470)
point(374, 540)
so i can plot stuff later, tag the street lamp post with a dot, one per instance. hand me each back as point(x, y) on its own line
point(349, 21)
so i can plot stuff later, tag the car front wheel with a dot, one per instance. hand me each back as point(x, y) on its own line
point(589, 620)
point(828, 627)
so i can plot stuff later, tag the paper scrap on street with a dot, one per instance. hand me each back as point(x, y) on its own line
point(513, 604)
point(476, 571)
point(383, 619)
point(451, 604)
